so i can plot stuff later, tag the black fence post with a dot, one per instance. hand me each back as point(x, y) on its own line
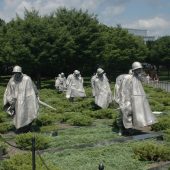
point(33, 153)
point(101, 166)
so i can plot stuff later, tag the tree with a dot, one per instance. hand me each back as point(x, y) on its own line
point(160, 52)
point(84, 32)
point(121, 49)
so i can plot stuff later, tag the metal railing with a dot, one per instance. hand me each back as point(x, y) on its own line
point(164, 85)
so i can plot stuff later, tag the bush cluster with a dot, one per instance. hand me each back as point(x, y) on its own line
point(151, 151)
point(76, 119)
point(24, 141)
point(166, 135)
point(53, 129)
point(80, 120)
point(46, 119)
point(5, 127)
point(3, 117)
point(3, 148)
point(163, 123)
point(24, 162)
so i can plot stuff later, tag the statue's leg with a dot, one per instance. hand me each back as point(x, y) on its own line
point(120, 125)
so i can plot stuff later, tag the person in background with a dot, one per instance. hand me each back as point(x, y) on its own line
point(148, 78)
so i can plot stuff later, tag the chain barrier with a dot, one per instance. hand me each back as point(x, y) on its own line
point(17, 147)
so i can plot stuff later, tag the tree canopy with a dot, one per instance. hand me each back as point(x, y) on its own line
point(66, 40)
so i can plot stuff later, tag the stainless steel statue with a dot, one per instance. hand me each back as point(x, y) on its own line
point(75, 86)
point(101, 89)
point(60, 83)
point(21, 98)
point(92, 84)
point(134, 106)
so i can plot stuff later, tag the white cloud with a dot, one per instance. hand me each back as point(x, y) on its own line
point(155, 26)
point(111, 11)
point(152, 23)
point(12, 7)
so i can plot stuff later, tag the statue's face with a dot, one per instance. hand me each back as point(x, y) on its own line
point(77, 75)
point(138, 71)
point(100, 75)
point(17, 76)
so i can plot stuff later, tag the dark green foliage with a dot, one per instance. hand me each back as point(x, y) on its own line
point(5, 127)
point(80, 120)
point(151, 151)
point(24, 162)
point(156, 106)
point(160, 52)
point(46, 119)
point(167, 135)
point(46, 129)
point(25, 141)
point(104, 113)
point(163, 123)
point(3, 148)
point(72, 39)
point(76, 119)
point(3, 117)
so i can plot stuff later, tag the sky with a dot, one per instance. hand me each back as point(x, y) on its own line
point(150, 15)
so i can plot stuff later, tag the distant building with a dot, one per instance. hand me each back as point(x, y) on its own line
point(141, 33)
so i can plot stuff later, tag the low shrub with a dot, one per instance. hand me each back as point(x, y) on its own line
point(24, 162)
point(47, 129)
point(3, 117)
point(3, 148)
point(46, 119)
point(166, 135)
point(5, 127)
point(166, 101)
point(163, 123)
point(24, 141)
point(158, 89)
point(151, 151)
point(80, 120)
point(156, 106)
point(66, 116)
point(104, 113)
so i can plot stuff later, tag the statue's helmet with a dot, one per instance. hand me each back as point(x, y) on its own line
point(100, 71)
point(62, 74)
point(17, 69)
point(136, 65)
point(76, 72)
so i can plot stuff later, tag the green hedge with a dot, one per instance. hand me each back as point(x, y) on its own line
point(5, 127)
point(163, 123)
point(151, 151)
point(46, 119)
point(80, 120)
point(24, 162)
point(166, 135)
point(24, 141)
point(3, 148)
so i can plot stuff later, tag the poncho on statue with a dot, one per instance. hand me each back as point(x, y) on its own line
point(130, 96)
point(102, 91)
point(60, 83)
point(92, 84)
point(26, 103)
point(75, 86)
